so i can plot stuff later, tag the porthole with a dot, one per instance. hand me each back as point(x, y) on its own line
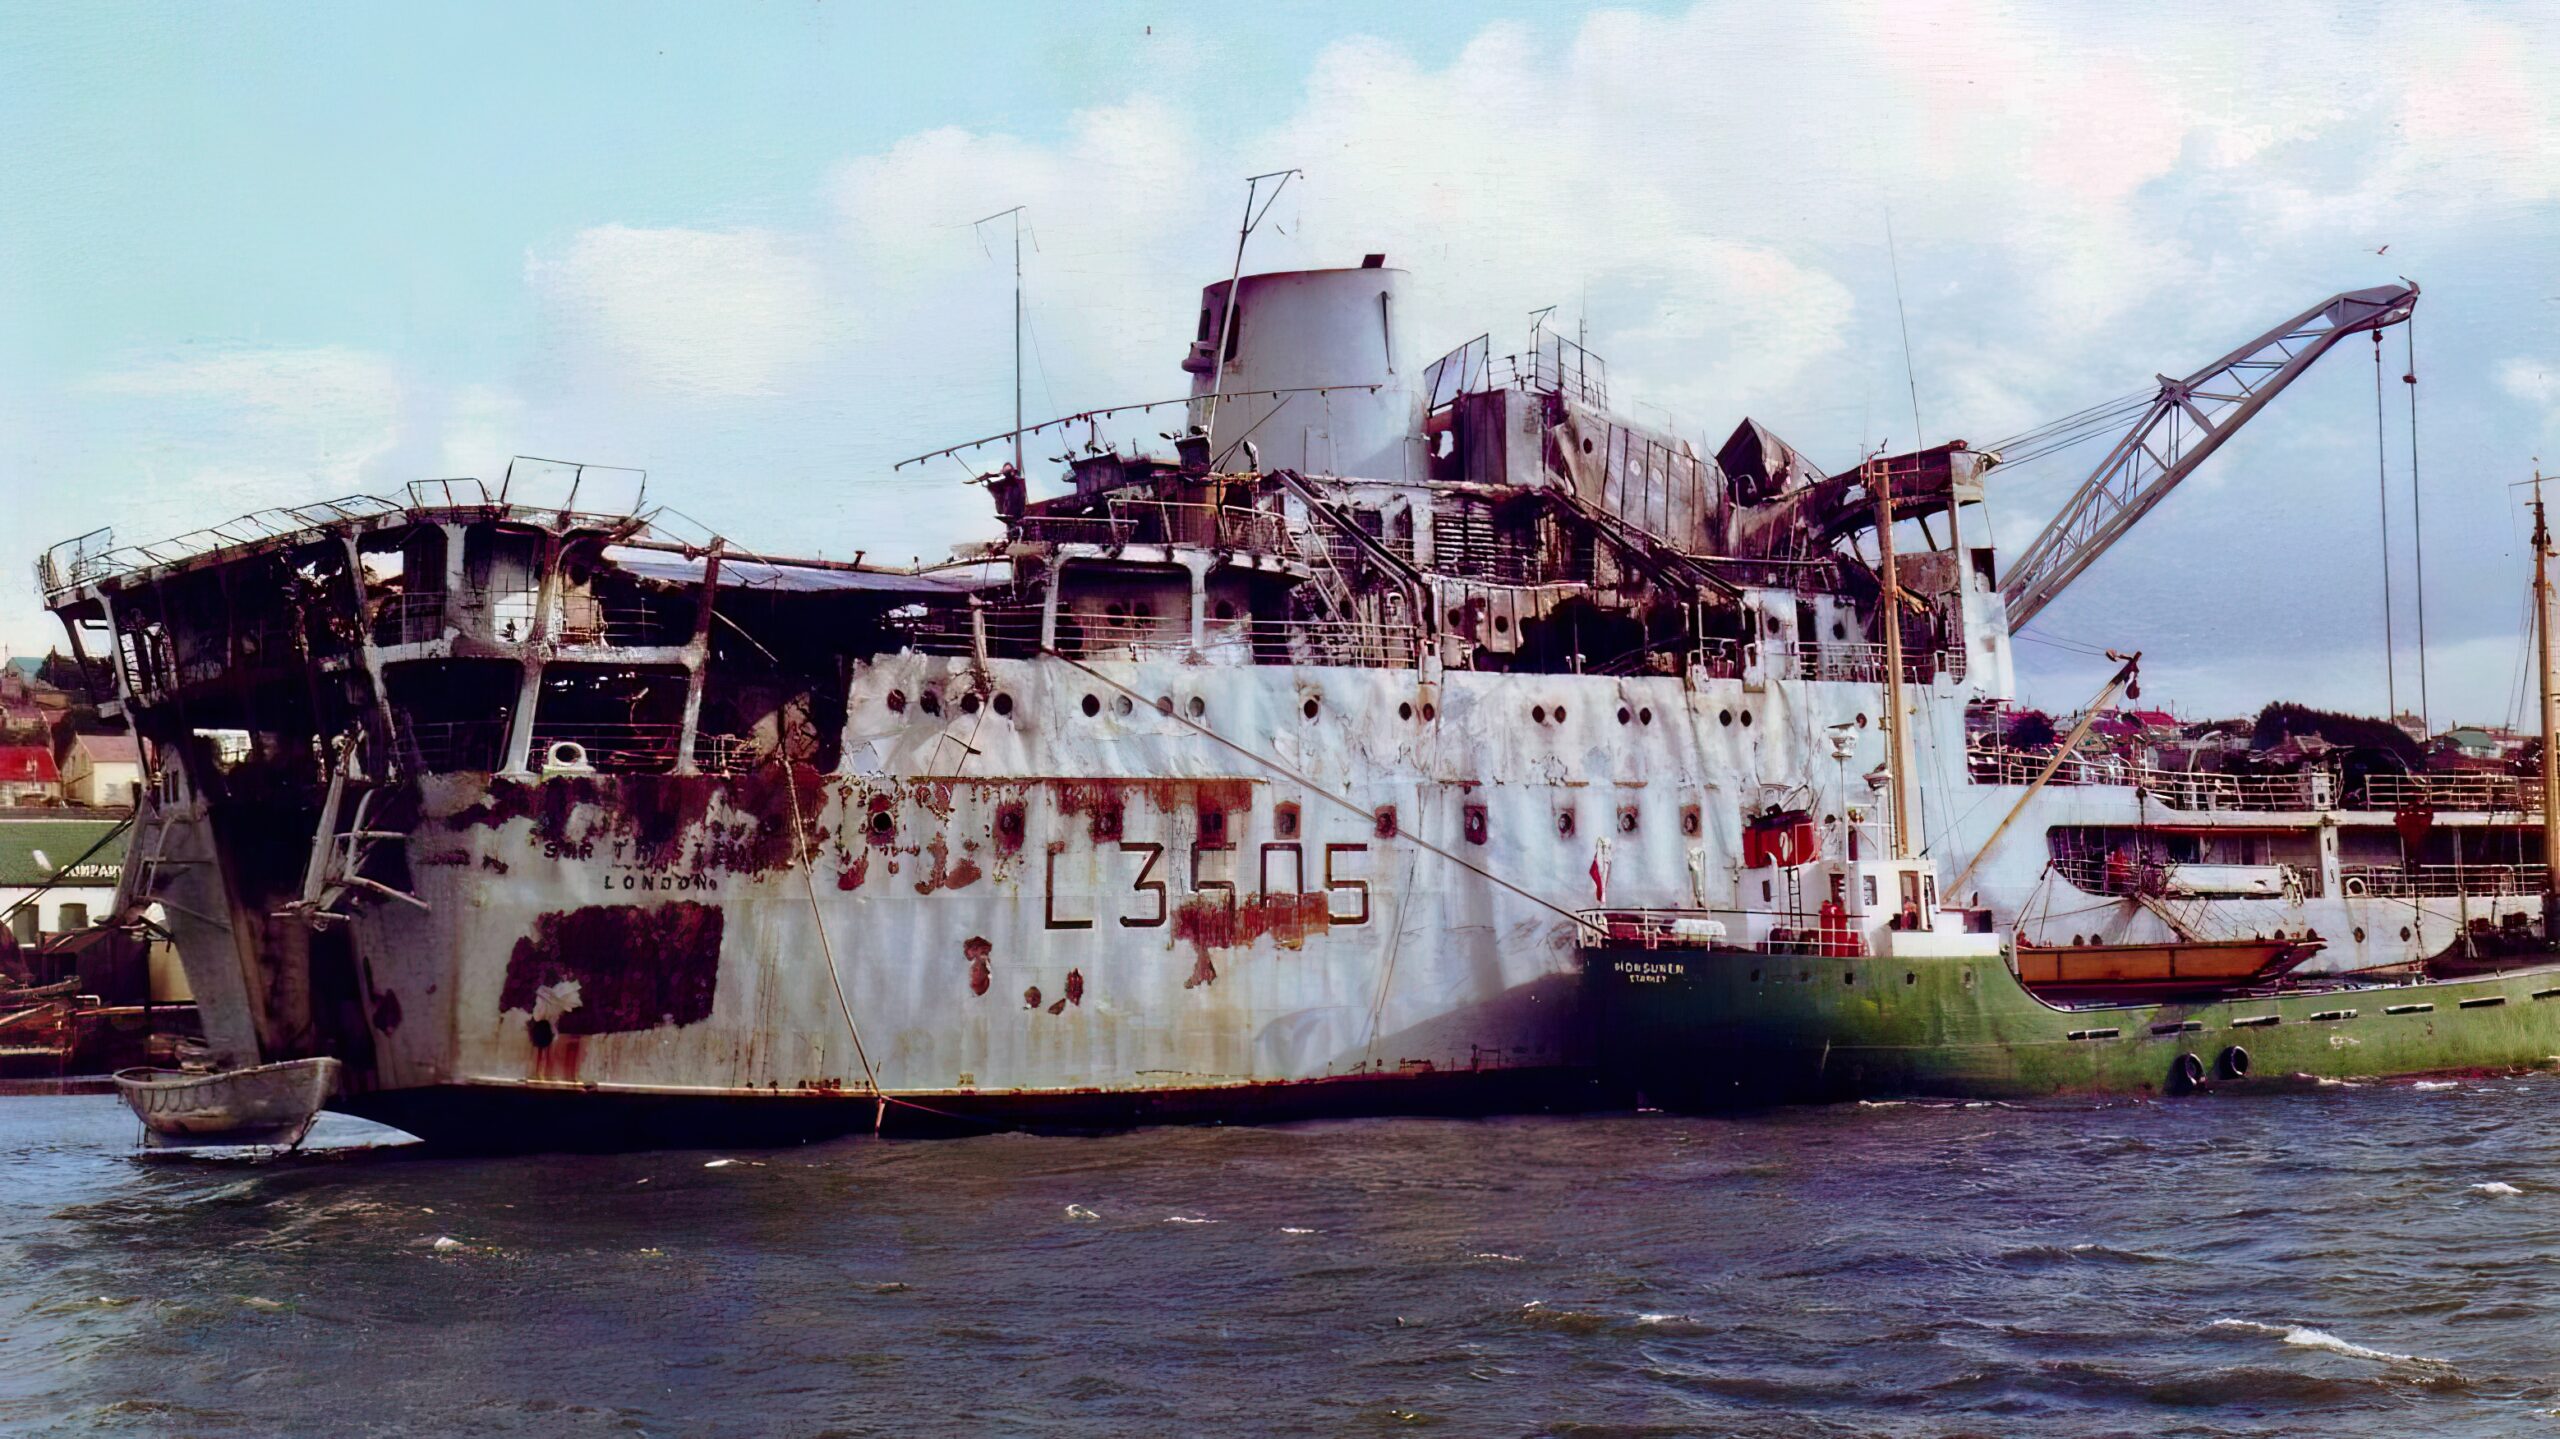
point(883, 823)
point(1690, 822)
point(1627, 820)
point(1405, 710)
point(1122, 704)
point(1774, 626)
point(1862, 721)
point(1746, 719)
point(1724, 717)
point(1538, 713)
point(1164, 704)
point(1003, 704)
point(1645, 715)
point(1310, 707)
point(1502, 624)
point(1586, 447)
point(930, 703)
point(1199, 707)
point(1225, 610)
point(969, 703)
point(1559, 714)
point(1839, 631)
point(1626, 715)
point(2404, 931)
point(1430, 712)
point(1564, 823)
point(897, 702)
point(2359, 934)
point(1457, 619)
point(1092, 705)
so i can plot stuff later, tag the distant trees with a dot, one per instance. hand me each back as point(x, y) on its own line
point(2281, 721)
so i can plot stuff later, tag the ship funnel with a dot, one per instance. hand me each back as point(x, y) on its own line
point(1313, 370)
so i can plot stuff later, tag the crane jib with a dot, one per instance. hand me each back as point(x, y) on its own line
point(2187, 420)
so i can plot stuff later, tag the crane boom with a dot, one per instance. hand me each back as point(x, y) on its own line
point(2187, 420)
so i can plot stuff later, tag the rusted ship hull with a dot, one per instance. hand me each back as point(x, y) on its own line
point(696, 959)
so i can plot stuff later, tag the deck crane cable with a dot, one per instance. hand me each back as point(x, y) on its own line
point(2417, 524)
point(2382, 489)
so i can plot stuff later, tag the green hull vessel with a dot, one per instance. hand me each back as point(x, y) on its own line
point(1717, 1027)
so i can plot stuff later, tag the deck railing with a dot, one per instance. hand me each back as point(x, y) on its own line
point(1859, 663)
point(2434, 881)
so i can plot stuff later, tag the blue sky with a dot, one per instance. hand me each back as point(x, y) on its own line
point(256, 255)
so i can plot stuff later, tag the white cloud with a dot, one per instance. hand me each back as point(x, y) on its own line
point(246, 424)
point(2536, 382)
point(717, 313)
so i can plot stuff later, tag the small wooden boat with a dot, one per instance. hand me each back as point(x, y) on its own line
point(268, 1104)
point(2080, 973)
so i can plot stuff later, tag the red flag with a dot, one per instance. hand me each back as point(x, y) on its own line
point(1599, 882)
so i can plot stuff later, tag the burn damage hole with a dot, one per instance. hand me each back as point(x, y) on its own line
point(897, 702)
point(1284, 819)
point(1690, 822)
point(931, 703)
point(1213, 826)
point(1106, 821)
point(1010, 824)
point(1386, 821)
point(1479, 824)
point(1003, 704)
point(1310, 708)
point(539, 1031)
point(1092, 706)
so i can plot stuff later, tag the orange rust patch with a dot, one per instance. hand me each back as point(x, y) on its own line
point(981, 972)
point(852, 875)
point(1213, 923)
point(1075, 987)
point(944, 874)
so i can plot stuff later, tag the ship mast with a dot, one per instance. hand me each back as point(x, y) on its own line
point(1889, 610)
point(1235, 278)
point(2550, 763)
point(1016, 214)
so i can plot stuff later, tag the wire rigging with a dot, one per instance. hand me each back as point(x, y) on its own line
point(2417, 523)
point(2382, 488)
